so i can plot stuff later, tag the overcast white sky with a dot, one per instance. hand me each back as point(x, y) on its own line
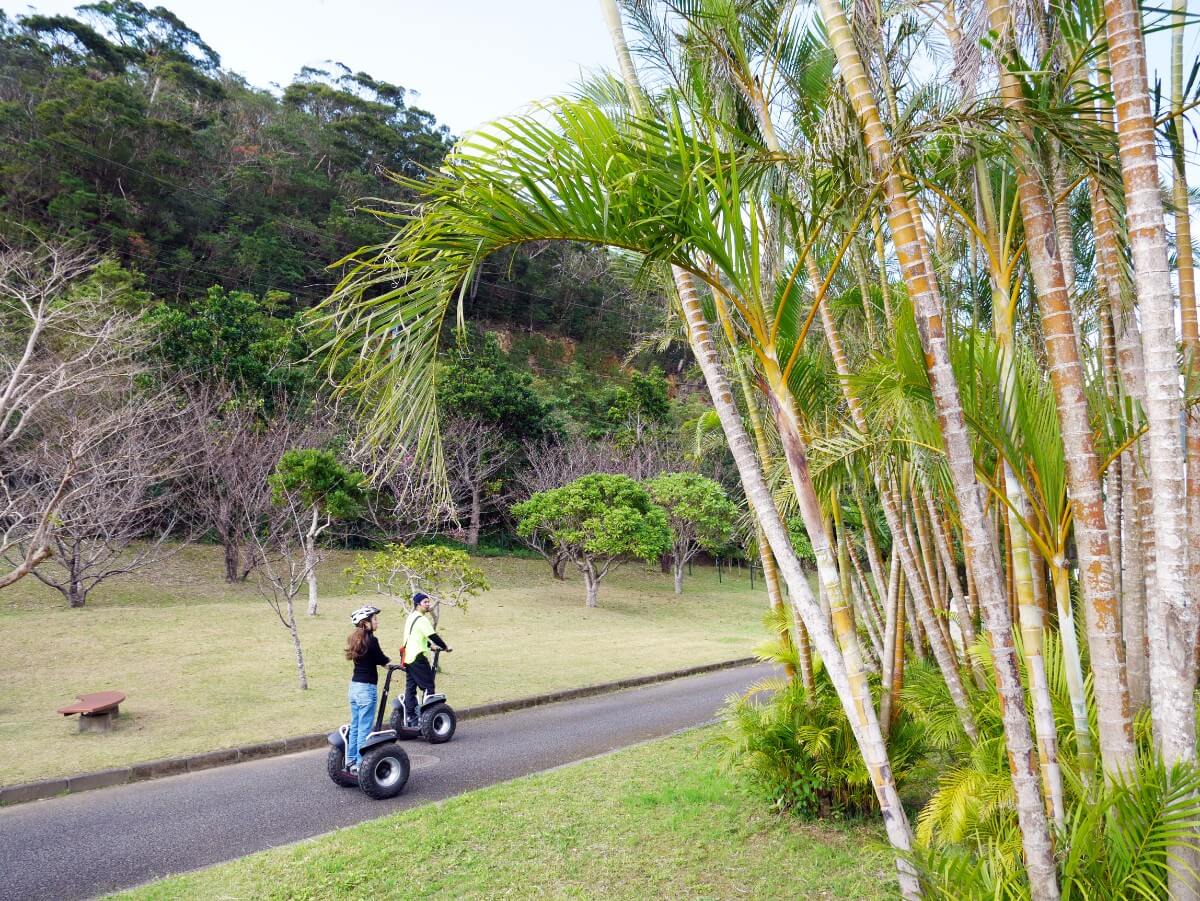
point(468, 60)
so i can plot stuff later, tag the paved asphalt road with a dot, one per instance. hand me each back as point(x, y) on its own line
point(80, 846)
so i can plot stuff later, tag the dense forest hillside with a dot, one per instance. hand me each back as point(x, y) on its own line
point(120, 127)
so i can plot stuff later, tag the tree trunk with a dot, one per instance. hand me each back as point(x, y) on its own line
point(591, 583)
point(476, 515)
point(942, 655)
point(1083, 470)
point(677, 565)
point(310, 575)
point(1172, 613)
point(1187, 294)
point(945, 548)
point(76, 595)
point(1073, 666)
point(850, 685)
point(300, 671)
point(887, 665)
point(233, 561)
point(558, 566)
point(978, 542)
point(770, 570)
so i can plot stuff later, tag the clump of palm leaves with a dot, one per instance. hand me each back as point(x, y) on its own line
point(1117, 841)
point(797, 749)
point(1116, 833)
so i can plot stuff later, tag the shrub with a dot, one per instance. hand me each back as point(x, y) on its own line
point(799, 752)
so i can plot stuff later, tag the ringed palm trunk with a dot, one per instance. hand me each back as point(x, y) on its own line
point(944, 656)
point(770, 570)
point(978, 541)
point(847, 676)
point(892, 635)
point(1187, 291)
point(945, 549)
point(1137, 580)
point(1172, 612)
point(849, 681)
point(1101, 604)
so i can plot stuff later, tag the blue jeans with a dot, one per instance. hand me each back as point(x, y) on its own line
point(363, 696)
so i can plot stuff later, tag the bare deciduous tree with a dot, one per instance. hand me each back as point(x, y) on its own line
point(552, 464)
point(476, 453)
point(58, 339)
point(406, 502)
point(237, 447)
point(283, 565)
point(119, 505)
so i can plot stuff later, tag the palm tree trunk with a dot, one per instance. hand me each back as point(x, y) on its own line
point(898, 664)
point(921, 600)
point(1073, 666)
point(978, 542)
point(946, 549)
point(892, 635)
point(1101, 603)
point(770, 570)
point(1187, 292)
point(1137, 570)
point(847, 676)
point(1172, 611)
point(849, 680)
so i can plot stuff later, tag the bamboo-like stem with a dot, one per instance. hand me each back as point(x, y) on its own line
point(1101, 602)
point(979, 544)
point(1172, 609)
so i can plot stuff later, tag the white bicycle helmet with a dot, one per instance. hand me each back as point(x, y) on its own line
point(362, 614)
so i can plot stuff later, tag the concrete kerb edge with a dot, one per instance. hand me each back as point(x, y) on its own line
point(173, 766)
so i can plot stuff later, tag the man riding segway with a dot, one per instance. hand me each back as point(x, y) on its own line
point(419, 634)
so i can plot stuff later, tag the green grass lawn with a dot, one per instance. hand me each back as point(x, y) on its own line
point(206, 665)
point(654, 821)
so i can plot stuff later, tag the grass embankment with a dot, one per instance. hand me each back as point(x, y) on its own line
point(206, 665)
point(655, 821)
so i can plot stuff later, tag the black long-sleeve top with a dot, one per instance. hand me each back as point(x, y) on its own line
point(365, 667)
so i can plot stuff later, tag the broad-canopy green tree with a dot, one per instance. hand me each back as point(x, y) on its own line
point(699, 513)
point(598, 522)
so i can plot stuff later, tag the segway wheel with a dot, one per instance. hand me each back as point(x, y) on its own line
point(438, 724)
point(396, 723)
point(383, 771)
point(335, 765)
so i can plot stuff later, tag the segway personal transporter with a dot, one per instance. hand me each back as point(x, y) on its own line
point(436, 721)
point(383, 765)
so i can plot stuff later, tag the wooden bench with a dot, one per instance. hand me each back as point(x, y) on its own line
point(96, 711)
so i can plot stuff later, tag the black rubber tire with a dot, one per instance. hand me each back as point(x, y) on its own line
point(333, 765)
point(396, 724)
point(383, 771)
point(438, 724)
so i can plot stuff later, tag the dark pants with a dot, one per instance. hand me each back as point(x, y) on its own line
point(419, 674)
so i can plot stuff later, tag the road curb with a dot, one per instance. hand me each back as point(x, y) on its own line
point(174, 766)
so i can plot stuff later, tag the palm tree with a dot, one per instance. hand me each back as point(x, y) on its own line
point(1083, 470)
point(979, 544)
point(1172, 610)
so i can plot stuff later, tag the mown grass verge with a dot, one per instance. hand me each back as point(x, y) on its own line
point(653, 821)
point(206, 665)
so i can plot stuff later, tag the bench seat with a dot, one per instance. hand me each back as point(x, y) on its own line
point(95, 710)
